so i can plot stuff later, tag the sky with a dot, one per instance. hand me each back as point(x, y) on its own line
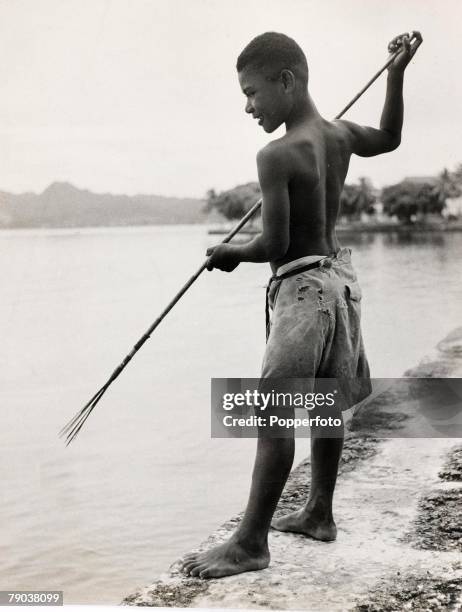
point(135, 96)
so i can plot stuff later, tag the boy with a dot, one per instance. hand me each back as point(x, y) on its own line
point(315, 297)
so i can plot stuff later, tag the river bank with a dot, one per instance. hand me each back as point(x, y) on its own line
point(397, 504)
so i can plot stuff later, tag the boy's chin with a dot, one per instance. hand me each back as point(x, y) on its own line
point(269, 129)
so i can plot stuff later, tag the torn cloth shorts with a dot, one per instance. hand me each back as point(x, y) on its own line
point(315, 327)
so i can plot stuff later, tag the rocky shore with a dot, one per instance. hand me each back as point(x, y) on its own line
point(397, 506)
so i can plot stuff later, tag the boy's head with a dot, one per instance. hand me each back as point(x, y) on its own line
point(273, 73)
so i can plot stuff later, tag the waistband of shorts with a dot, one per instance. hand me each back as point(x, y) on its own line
point(342, 256)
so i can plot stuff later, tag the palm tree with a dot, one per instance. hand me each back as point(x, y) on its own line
point(457, 178)
point(446, 186)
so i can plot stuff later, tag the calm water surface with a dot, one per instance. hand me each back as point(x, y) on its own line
point(144, 482)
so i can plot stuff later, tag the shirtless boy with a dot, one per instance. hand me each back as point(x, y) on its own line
point(315, 326)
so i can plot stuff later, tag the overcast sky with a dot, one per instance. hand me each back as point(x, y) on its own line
point(134, 96)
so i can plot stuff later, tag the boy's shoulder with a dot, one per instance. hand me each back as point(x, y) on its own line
point(347, 129)
point(274, 147)
point(274, 153)
point(281, 149)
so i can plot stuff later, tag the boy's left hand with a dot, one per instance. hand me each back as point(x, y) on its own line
point(402, 43)
point(223, 257)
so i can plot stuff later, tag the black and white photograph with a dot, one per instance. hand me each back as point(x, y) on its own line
point(231, 314)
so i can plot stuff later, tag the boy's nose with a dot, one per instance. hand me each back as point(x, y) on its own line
point(248, 107)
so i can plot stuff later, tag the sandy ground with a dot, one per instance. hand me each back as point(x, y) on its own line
point(397, 507)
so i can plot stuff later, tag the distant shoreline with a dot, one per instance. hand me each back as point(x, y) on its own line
point(62, 205)
point(73, 230)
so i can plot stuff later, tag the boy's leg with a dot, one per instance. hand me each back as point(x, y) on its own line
point(247, 549)
point(315, 519)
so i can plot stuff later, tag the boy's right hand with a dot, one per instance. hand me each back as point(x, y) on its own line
point(222, 256)
point(403, 42)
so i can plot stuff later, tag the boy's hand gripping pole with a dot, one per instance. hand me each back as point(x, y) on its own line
point(72, 428)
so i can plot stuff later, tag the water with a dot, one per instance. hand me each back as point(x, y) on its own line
point(144, 482)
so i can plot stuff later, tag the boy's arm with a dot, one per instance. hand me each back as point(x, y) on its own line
point(273, 241)
point(367, 141)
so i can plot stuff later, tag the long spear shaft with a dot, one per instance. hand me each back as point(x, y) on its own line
point(72, 428)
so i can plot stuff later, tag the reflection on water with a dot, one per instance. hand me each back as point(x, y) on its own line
point(403, 237)
point(354, 239)
point(144, 481)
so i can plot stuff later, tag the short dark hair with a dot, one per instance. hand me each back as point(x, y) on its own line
point(274, 51)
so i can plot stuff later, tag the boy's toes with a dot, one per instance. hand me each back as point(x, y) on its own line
point(188, 567)
point(197, 570)
point(205, 573)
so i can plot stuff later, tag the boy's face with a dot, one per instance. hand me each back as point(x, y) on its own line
point(266, 99)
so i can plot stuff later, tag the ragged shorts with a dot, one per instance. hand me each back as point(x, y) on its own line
point(315, 328)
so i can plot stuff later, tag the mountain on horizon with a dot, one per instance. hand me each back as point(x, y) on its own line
point(62, 204)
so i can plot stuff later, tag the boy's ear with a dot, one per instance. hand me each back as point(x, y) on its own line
point(288, 80)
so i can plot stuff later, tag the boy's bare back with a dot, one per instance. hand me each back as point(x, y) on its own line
point(317, 156)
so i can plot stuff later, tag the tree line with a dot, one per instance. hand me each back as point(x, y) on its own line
point(408, 200)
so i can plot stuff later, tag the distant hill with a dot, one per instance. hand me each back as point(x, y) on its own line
point(63, 205)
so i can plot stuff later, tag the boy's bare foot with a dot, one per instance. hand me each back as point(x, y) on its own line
point(307, 524)
point(225, 560)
